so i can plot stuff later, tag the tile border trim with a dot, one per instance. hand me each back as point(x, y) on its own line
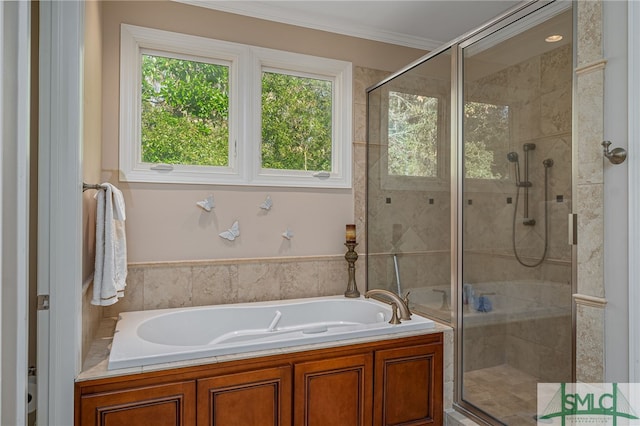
point(591, 301)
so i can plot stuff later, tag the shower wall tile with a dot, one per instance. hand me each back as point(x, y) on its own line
point(589, 131)
point(555, 69)
point(484, 346)
point(133, 294)
point(589, 206)
point(589, 32)
point(359, 193)
point(215, 284)
point(359, 125)
point(364, 78)
point(298, 280)
point(556, 111)
point(167, 287)
point(333, 276)
point(588, 200)
point(91, 317)
point(449, 363)
point(589, 344)
point(259, 281)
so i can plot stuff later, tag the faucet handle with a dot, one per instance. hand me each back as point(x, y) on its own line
point(394, 314)
point(406, 298)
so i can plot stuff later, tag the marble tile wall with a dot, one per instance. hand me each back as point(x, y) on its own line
point(91, 317)
point(589, 194)
point(414, 222)
point(162, 285)
point(538, 92)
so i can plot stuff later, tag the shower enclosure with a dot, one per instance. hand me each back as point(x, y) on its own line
point(469, 187)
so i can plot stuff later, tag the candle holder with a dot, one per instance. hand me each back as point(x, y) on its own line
point(351, 256)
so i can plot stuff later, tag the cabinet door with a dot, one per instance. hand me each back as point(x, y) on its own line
point(172, 404)
point(336, 391)
point(253, 398)
point(408, 386)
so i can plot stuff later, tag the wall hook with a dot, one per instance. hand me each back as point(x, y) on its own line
point(616, 155)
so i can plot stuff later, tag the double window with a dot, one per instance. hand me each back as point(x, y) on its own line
point(197, 110)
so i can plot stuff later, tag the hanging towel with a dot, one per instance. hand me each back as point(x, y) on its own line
point(111, 247)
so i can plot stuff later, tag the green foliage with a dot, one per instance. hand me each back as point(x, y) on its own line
point(413, 135)
point(296, 122)
point(185, 108)
point(486, 133)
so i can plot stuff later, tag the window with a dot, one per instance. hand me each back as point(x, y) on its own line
point(413, 135)
point(184, 113)
point(486, 140)
point(196, 110)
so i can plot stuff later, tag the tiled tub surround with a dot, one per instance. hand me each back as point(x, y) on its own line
point(200, 283)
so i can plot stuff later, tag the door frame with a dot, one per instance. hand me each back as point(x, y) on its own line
point(15, 36)
point(633, 52)
point(59, 208)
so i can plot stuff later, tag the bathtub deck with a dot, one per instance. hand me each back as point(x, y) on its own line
point(95, 364)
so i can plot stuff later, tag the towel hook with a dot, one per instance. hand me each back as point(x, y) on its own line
point(616, 155)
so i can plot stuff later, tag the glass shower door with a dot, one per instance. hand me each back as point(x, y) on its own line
point(515, 322)
point(408, 186)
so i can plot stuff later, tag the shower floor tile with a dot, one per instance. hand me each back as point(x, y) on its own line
point(504, 392)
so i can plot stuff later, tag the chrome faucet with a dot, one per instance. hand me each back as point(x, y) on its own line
point(403, 306)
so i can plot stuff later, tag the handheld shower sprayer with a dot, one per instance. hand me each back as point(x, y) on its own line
point(513, 158)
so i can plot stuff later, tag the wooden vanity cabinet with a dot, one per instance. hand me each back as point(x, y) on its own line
point(172, 404)
point(334, 391)
point(408, 387)
point(250, 398)
point(382, 383)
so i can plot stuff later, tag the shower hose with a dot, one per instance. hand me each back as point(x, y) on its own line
point(546, 223)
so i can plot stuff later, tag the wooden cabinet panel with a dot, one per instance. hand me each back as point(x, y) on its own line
point(335, 391)
point(408, 386)
point(386, 383)
point(253, 398)
point(163, 405)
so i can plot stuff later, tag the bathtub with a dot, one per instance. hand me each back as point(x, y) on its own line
point(166, 335)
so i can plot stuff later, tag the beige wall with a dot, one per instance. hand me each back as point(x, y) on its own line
point(91, 157)
point(163, 222)
point(176, 257)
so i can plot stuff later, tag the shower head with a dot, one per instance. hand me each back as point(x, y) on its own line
point(547, 163)
point(512, 157)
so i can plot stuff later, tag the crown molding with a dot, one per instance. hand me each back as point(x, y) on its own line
point(269, 12)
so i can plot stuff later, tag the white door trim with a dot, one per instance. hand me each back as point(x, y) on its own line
point(59, 208)
point(633, 158)
point(14, 210)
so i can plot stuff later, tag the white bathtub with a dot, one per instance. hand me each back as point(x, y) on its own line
point(166, 335)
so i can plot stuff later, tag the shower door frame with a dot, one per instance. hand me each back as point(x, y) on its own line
point(457, 47)
point(457, 190)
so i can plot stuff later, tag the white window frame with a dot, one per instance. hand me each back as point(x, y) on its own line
point(306, 66)
point(245, 106)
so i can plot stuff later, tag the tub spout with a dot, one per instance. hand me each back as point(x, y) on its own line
point(405, 314)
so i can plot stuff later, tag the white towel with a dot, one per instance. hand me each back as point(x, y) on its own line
point(111, 247)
